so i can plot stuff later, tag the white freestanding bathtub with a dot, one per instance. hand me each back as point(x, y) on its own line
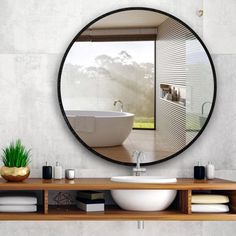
point(101, 128)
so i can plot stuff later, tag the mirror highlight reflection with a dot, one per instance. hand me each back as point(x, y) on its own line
point(137, 80)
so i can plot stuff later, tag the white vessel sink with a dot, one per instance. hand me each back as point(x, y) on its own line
point(143, 200)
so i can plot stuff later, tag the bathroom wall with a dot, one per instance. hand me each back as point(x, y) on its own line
point(33, 37)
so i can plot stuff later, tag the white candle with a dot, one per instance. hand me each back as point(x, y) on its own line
point(70, 173)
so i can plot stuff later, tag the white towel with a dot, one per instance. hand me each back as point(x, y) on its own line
point(85, 124)
point(209, 198)
point(210, 208)
point(18, 208)
point(18, 200)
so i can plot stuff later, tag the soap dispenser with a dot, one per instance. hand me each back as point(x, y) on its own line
point(210, 171)
point(199, 171)
point(47, 172)
point(58, 171)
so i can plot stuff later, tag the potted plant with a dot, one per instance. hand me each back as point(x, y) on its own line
point(15, 158)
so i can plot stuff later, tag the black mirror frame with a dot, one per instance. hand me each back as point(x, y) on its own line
point(59, 86)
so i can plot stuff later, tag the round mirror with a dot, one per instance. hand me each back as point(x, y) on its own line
point(137, 79)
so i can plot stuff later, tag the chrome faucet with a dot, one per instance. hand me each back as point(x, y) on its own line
point(121, 104)
point(138, 171)
point(203, 105)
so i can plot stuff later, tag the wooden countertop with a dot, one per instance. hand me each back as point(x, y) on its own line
point(107, 184)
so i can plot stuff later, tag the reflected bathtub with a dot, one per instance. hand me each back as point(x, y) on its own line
point(101, 128)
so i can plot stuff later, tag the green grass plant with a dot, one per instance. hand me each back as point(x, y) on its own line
point(16, 155)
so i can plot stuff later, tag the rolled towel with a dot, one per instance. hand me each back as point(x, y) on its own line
point(18, 200)
point(209, 198)
point(18, 208)
point(210, 208)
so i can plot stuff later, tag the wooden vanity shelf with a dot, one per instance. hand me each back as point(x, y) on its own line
point(180, 210)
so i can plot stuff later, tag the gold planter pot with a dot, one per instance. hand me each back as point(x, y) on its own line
point(15, 174)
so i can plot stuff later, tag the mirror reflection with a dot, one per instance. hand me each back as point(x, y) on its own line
point(137, 80)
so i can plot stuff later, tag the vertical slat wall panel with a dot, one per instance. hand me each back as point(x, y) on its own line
point(199, 84)
point(171, 69)
point(171, 53)
point(172, 130)
point(181, 61)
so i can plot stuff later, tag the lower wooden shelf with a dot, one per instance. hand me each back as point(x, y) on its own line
point(115, 214)
point(110, 213)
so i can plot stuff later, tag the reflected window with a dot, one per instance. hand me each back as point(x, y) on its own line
point(110, 71)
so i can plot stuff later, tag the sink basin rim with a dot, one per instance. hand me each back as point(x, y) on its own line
point(144, 179)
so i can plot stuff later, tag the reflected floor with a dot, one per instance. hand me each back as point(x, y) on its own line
point(148, 141)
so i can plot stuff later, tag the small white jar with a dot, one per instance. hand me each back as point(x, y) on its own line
point(210, 171)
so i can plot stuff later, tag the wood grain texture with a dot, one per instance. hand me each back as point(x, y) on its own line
point(45, 201)
point(184, 199)
point(232, 200)
point(117, 214)
point(107, 184)
point(181, 210)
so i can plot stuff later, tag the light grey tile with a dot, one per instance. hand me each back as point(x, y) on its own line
point(49, 27)
point(49, 228)
point(174, 228)
point(218, 20)
point(151, 228)
point(38, 27)
point(218, 228)
point(226, 174)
